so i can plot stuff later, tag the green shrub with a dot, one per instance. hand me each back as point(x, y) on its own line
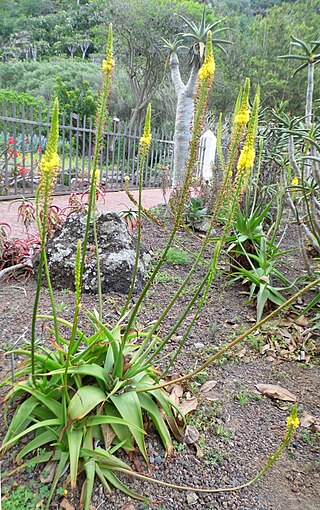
point(176, 256)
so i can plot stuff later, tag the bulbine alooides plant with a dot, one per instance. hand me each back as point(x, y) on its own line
point(85, 397)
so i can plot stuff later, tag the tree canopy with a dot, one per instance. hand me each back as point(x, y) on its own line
point(44, 39)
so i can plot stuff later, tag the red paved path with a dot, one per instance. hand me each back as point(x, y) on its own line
point(114, 201)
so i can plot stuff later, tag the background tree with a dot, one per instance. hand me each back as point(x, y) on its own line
point(195, 35)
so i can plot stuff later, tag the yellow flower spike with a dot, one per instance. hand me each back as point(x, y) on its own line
point(293, 420)
point(295, 181)
point(207, 69)
point(146, 137)
point(242, 117)
point(108, 63)
point(248, 153)
point(246, 158)
point(97, 178)
point(49, 164)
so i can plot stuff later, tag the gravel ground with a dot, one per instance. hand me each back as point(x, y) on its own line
point(238, 428)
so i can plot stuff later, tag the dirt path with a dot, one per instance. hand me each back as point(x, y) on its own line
point(115, 201)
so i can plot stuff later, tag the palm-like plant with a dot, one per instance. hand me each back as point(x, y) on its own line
point(304, 156)
point(195, 36)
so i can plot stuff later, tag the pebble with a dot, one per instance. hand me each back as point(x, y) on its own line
point(199, 345)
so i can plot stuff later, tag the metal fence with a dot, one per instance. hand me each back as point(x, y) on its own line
point(23, 138)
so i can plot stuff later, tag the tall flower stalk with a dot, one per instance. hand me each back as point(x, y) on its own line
point(107, 70)
point(49, 168)
point(144, 146)
point(204, 87)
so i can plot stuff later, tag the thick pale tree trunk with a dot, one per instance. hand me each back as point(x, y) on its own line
point(309, 96)
point(184, 117)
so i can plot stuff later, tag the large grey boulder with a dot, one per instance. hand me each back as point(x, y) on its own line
point(116, 249)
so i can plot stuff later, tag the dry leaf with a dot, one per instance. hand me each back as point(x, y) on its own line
point(191, 434)
point(47, 474)
point(242, 353)
point(66, 505)
point(188, 405)
point(277, 392)
point(207, 386)
point(176, 393)
point(310, 422)
point(265, 348)
point(302, 321)
point(108, 435)
point(128, 506)
point(175, 429)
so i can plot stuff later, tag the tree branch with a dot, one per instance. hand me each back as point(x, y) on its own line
point(179, 86)
point(192, 82)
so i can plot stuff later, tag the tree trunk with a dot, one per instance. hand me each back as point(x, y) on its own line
point(184, 117)
point(309, 96)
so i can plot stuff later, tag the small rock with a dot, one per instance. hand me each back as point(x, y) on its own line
point(192, 498)
point(158, 459)
point(199, 345)
point(151, 459)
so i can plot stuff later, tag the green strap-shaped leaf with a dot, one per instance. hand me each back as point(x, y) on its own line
point(21, 418)
point(128, 405)
point(54, 406)
point(44, 438)
point(88, 369)
point(121, 429)
point(43, 424)
point(74, 442)
point(86, 399)
point(120, 485)
point(90, 469)
point(153, 411)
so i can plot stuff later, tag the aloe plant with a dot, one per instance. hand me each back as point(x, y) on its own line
point(303, 180)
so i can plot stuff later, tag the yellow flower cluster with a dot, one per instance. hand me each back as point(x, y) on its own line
point(293, 421)
point(242, 116)
point(295, 181)
point(207, 69)
point(246, 158)
point(108, 65)
point(50, 164)
point(97, 178)
point(146, 137)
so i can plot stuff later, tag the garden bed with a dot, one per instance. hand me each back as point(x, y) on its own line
point(238, 427)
